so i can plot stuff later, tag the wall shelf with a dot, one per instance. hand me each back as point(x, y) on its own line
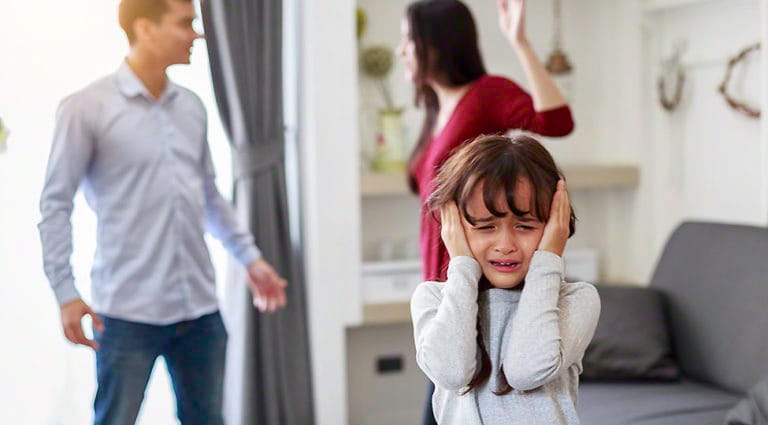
point(386, 314)
point(651, 6)
point(580, 176)
point(586, 176)
point(383, 184)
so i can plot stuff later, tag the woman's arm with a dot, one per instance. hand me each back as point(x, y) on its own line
point(544, 91)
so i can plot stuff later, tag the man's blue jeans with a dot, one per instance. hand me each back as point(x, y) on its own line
point(194, 352)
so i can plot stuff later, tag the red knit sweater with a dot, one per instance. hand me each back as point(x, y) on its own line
point(492, 105)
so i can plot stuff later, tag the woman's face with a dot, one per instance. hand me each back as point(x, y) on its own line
point(406, 50)
point(503, 245)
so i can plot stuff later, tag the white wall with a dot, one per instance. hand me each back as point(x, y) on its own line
point(328, 140)
point(708, 161)
point(51, 48)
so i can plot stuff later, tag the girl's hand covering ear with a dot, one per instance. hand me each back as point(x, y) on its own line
point(452, 231)
point(558, 225)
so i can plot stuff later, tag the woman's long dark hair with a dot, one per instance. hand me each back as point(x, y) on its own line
point(447, 51)
point(498, 163)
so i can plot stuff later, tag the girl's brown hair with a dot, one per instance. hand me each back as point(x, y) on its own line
point(498, 162)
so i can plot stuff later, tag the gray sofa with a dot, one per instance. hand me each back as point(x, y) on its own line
point(714, 281)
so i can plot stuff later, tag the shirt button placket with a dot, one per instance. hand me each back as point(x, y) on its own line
point(169, 140)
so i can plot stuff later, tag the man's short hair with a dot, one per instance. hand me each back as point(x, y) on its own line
point(130, 10)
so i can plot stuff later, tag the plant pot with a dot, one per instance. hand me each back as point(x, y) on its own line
point(389, 155)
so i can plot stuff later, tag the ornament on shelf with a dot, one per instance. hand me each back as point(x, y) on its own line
point(558, 64)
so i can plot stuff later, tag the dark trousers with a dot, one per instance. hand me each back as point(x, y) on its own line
point(194, 352)
point(429, 417)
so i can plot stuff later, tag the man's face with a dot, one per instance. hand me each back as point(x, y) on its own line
point(171, 39)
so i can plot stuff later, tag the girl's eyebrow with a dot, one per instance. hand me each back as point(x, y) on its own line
point(527, 218)
point(484, 219)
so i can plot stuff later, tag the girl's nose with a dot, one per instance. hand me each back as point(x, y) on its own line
point(506, 243)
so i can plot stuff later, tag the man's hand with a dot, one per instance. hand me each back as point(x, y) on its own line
point(557, 228)
point(72, 314)
point(267, 286)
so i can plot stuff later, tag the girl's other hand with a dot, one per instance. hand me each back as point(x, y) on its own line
point(512, 20)
point(452, 231)
point(557, 228)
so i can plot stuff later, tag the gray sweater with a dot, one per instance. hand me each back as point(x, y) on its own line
point(538, 335)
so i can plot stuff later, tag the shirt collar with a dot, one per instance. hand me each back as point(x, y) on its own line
point(131, 86)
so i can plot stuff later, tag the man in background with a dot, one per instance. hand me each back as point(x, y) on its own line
point(136, 143)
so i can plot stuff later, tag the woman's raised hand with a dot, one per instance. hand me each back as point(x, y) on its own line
point(512, 20)
point(452, 231)
point(557, 229)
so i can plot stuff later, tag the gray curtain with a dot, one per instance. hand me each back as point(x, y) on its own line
point(268, 377)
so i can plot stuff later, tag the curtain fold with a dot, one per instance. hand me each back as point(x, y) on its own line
point(268, 376)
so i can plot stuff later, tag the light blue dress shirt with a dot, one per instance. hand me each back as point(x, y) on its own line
point(145, 168)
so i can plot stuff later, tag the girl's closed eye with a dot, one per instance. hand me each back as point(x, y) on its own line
point(526, 223)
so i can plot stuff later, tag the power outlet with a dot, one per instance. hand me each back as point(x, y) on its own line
point(389, 364)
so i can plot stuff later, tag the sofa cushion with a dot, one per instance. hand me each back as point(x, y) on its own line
point(752, 409)
point(631, 339)
point(708, 417)
point(715, 279)
point(602, 403)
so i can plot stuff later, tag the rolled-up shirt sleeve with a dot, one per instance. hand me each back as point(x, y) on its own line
point(70, 155)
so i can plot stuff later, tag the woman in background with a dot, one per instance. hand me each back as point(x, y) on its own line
point(439, 48)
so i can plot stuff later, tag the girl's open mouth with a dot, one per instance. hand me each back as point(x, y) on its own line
point(506, 266)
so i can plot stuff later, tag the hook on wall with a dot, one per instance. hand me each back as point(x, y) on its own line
point(672, 66)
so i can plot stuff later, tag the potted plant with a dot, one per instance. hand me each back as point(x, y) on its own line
point(376, 62)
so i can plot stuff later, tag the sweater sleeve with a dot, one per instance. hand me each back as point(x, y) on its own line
point(513, 109)
point(444, 323)
point(554, 324)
